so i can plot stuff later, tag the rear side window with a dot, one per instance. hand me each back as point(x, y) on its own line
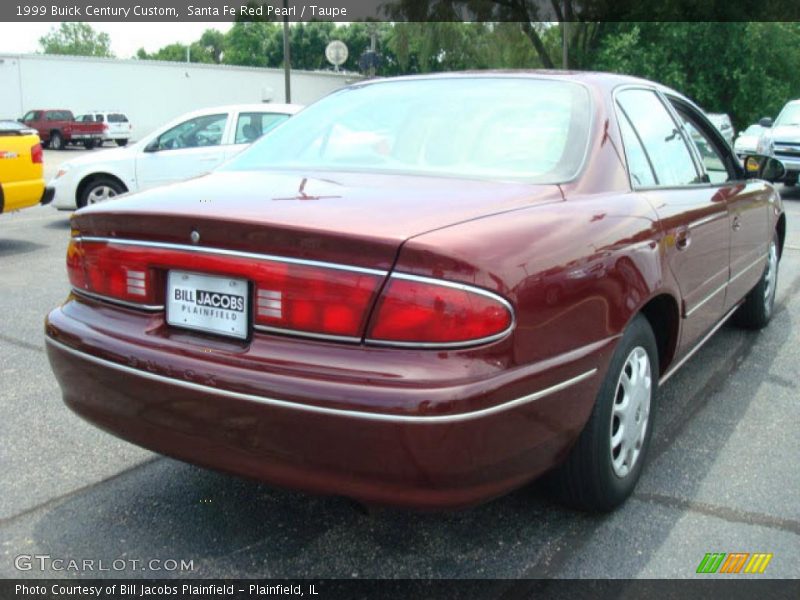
point(660, 136)
point(58, 115)
point(117, 118)
point(99, 118)
point(638, 164)
point(251, 126)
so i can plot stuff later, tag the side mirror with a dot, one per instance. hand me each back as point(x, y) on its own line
point(764, 167)
point(765, 122)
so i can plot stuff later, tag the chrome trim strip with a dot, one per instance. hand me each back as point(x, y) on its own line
point(337, 412)
point(748, 267)
point(706, 299)
point(100, 297)
point(307, 334)
point(709, 219)
point(457, 286)
point(236, 253)
point(697, 346)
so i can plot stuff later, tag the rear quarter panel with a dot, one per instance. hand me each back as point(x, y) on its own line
point(21, 179)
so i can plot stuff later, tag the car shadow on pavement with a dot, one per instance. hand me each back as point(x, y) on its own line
point(13, 247)
point(231, 527)
point(62, 224)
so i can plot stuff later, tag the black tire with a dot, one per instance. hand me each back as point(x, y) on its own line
point(89, 190)
point(122, 142)
point(590, 478)
point(759, 304)
point(89, 144)
point(45, 144)
point(57, 141)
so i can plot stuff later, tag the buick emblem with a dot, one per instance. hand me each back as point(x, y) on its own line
point(195, 236)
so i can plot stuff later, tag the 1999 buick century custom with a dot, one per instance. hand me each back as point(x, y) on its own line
point(423, 291)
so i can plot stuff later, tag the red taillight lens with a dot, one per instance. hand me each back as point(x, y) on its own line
point(416, 311)
point(287, 296)
point(313, 299)
point(112, 271)
point(37, 156)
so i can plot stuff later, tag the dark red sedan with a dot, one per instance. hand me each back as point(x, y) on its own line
point(423, 291)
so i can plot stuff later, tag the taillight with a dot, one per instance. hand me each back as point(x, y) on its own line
point(112, 271)
point(418, 311)
point(316, 300)
point(288, 295)
point(37, 154)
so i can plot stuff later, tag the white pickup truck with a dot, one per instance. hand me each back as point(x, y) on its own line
point(781, 140)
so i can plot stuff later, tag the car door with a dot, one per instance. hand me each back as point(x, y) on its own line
point(33, 119)
point(693, 215)
point(191, 148)
point(747, 202)
point(250, 126)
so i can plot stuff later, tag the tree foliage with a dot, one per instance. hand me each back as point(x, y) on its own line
point(76, 39)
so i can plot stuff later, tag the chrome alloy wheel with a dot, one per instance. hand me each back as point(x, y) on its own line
point(770, 277)
point(630, 413)
point(100, 193)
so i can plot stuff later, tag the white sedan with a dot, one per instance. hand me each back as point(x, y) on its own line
point(191, 145)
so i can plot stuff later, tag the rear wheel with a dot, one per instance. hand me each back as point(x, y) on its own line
point(56, 141)
point(606, 462)
point(99, 190)
point(89, 144)
point(121, 142)
point(759, 304)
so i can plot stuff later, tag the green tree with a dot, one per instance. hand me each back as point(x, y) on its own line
point(76, 39)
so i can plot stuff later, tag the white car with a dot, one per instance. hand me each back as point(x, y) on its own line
point(723, 122)
point(747, 140)
point(118, 126)
point(189, 146)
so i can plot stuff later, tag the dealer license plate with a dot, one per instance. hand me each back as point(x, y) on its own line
point(208, 303)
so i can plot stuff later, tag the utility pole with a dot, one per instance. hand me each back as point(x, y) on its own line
point(287, 57)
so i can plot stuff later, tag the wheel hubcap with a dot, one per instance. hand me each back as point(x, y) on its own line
point(631, 411)
point(100, 193)
point(771, 277)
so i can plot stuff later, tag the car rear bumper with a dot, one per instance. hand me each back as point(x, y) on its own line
point(21, 194)
point(425, 443)
point(47, 195)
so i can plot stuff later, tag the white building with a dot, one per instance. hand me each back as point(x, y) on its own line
point(149, 92)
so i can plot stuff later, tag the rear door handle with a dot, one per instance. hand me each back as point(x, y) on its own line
point(683, 239)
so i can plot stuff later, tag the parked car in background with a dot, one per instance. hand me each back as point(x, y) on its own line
point(192, 144)
point(423, 291)
point(21, 167)
point(723, 122)
point(747, 141)
point(118, 128)
point(58, 128)
point(781, 140)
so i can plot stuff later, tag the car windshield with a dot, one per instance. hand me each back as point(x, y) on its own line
point(790, 115)
point(486, 127)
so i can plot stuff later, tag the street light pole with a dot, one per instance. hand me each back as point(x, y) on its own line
point(287, 57)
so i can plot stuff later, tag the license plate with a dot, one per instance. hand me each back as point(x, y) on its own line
point(208, 303)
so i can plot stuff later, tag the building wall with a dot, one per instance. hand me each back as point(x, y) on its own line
point(149, 92)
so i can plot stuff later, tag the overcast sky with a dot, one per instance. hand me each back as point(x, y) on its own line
point(126, 38)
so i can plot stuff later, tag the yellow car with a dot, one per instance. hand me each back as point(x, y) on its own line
point(21, 168)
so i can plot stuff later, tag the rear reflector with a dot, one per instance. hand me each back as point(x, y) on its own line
point(418, 311)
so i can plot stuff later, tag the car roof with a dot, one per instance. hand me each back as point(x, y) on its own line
point(288, 109)
point(595, 79)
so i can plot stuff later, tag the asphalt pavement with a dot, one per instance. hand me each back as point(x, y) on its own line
point(722, 474)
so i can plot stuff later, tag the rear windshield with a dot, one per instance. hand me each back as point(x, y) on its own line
point(9, 127)
point(117, 118)
point(502, 128)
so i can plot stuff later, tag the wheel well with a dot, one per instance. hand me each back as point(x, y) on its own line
point(663, 315)
point(781, 229)
point(52, 131)
point(92, 177)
